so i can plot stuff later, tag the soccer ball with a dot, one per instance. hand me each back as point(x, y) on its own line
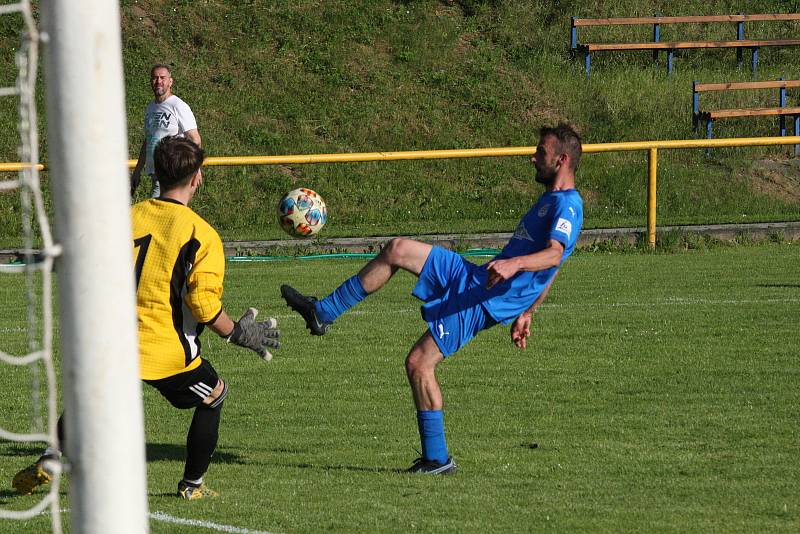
point(302, 212)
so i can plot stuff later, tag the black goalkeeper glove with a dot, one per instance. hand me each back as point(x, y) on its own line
point(255, 335)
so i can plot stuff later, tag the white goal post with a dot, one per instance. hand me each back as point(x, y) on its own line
point(87, 157)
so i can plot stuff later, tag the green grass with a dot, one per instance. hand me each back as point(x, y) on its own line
point(304, 77)
point(659, 393)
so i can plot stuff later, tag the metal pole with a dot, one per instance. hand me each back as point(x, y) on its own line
point(652, 169)
point(573, 35)
point(739, 37)
point(88, 155)
point(527, 151)
point(656, 39)
point(782, 103)
point(796, 130)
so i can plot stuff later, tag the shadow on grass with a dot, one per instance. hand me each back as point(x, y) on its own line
point(340, 467)
point(155, 452)
point(171, 451)
point(20, 449)
point(8, 496)
point(783, 286)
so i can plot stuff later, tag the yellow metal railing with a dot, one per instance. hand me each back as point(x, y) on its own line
point(651, 147)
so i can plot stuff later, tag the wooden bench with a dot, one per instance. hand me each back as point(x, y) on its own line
point(781, 111)
point(657, 45)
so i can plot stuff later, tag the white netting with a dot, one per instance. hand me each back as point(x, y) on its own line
point(37, 267)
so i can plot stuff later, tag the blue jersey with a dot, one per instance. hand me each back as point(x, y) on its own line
point(556, 215)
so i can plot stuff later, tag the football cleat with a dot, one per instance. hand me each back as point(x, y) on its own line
point(192, 493)
point(305, 307)
point(430, 467)
point(30, 478)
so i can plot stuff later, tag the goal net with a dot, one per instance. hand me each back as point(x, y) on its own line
point(98, 349)
point(35, 352)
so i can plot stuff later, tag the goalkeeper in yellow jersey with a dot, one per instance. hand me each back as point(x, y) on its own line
point(180, 266)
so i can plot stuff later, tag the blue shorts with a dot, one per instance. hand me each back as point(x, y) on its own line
point(452, 320)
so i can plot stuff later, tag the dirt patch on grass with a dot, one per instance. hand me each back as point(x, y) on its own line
point(293, 174)
point(590, 196)
point(463, 46)
point(779, 179)
point(368, 58)
point(143, 17)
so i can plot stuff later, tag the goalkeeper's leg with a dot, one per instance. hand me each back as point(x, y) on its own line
point(203, 390)
point(41, 472)
point(201, 441)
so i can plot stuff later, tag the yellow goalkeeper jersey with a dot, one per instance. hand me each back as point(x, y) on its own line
point(180, 266)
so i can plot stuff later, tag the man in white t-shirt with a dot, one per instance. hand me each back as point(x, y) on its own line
point(165, 115)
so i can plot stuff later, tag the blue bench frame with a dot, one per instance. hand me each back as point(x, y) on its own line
point(782, 99)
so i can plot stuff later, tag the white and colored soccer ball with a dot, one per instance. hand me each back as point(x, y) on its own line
point(302, 212)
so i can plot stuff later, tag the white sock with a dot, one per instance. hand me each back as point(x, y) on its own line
point(52, 453)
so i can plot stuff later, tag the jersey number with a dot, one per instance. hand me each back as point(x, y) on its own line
point(142, 243)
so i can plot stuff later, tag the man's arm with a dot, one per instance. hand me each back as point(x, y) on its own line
point(222, 325)
point(136, 176)
point(521, 328)
point(194, 136)
point(204, 300)
point(502, 270)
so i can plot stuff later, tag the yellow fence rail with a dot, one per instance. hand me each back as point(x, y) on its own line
point(651, 147)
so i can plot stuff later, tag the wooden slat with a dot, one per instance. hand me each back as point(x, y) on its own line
point(771, 84)
point(675, 45)
point(772, 16)
point(628, 21)
point(749, 112)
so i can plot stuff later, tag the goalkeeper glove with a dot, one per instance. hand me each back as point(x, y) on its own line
point(255, 335)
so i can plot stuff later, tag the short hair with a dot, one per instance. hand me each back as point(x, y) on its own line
point(160, 66)
point(569, 142)
point(176, 160)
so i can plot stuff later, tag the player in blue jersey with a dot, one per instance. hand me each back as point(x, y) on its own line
point(461, 298)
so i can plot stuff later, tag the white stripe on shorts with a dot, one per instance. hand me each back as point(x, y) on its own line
point(201, 390)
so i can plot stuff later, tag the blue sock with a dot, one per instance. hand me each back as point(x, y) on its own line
point(347, 295)
point(431, 434)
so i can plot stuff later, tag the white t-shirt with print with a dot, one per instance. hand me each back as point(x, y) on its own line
point(173, 116)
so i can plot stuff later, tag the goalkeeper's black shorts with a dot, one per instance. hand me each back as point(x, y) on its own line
point(189, 389)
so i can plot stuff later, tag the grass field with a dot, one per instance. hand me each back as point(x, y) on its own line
point(660, 393)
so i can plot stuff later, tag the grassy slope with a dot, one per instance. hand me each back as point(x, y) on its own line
point(320, 77)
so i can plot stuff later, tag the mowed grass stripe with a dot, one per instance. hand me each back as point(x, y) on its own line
point(659, 392)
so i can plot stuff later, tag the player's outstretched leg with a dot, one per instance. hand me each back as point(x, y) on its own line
point(306, 307)
point(399, 253)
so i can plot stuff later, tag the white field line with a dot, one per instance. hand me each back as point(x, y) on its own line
point(671, 301)
point(166, 518)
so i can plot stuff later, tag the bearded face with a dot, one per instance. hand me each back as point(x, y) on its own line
point(546, 160)
point(546, 174)
point(161, 82)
